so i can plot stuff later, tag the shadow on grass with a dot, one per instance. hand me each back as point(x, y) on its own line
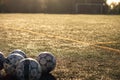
point(48, 77)
point(43, 77)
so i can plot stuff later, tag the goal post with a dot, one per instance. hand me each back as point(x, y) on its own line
point(93, 6)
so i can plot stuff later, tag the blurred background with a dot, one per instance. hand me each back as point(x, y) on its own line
point(61, 6)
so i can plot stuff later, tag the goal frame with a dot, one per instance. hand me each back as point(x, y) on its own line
point(89, 4)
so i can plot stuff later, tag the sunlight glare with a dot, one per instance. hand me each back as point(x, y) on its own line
point(109, 2)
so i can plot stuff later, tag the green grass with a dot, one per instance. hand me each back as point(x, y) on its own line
point(71, 38)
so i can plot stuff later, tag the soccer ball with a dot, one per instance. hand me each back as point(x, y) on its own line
point(28, 69)
point(18, 51)
point(47, 61)
point(2, 58)
point(11, 62)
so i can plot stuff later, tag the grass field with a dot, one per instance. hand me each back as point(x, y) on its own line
point(87, 47)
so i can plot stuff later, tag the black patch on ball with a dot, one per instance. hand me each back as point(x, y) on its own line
point(26, 69)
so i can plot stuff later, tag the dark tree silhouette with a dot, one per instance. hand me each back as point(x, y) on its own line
point(115, 10)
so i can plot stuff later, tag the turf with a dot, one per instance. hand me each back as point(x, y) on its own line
point(87, 47)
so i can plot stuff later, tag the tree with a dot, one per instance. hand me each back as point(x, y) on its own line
point(114, 8)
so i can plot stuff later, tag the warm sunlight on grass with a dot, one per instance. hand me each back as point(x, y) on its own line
point(86, 46)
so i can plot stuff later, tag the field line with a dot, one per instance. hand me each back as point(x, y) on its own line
point(107, 48)
point(112, 42)
point(48, 35)
point(59, 37)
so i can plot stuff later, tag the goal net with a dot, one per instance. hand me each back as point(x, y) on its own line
point(89, 8)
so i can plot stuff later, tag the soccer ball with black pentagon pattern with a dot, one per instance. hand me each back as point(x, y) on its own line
point(47, 61)
point(28, 69)
point(2, 58)
point(18, 51)
point(11, 62)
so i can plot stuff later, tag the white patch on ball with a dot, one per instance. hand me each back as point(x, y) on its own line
point(47, 61)
point(28, 69)
point(18, 51)
point(43, 61)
